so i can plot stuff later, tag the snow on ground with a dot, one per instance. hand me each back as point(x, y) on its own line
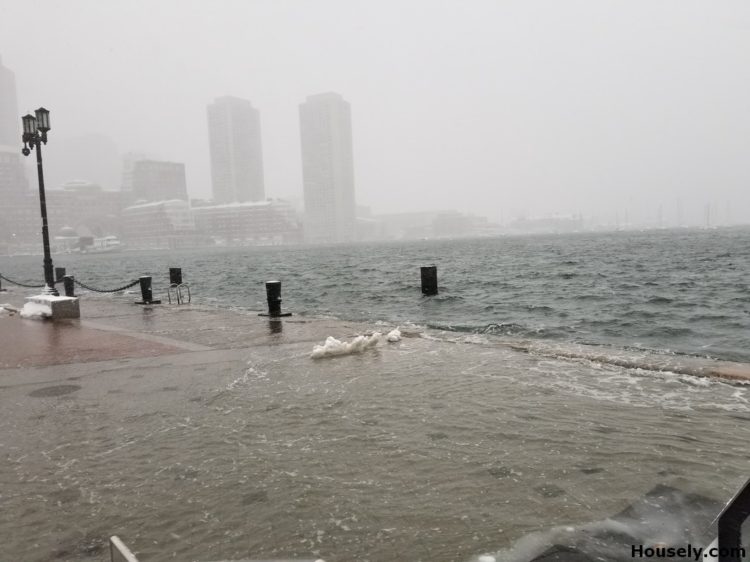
point(36, 311)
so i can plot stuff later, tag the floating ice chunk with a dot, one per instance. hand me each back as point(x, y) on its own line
point(394, 335)
point(486, 558)
point(36, 311)
point(333, 347)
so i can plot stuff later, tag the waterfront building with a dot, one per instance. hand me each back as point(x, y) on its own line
point(236, 151)
point(12, 177)
point(154, 180)
point(159, 224)
point(84, 207)
point(10, 120)
point(253, 223)
point(128, 166)
point(327, 168)
point(79, 205)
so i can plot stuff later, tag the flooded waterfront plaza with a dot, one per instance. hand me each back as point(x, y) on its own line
point(358, 281)
point(200, 434)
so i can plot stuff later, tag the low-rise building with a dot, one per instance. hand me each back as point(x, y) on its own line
point(159, 224)
point(253, 223)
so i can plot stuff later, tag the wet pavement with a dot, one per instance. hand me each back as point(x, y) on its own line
point(115, 328)
point(202, 434)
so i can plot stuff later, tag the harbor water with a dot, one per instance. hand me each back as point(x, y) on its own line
point(458, 441)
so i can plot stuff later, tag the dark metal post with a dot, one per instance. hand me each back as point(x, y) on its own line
point(273, 296)
point(175, 276)
point(1, 285)
point(69, 284)
point(59, 274)
point(730, 525)
point(146, 295)
point(49, 278)
point(429, 280)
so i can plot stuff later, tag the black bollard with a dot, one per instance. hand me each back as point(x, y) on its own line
point(1, 286)
point(175, 276)
point(429, 280)
point(146, 296)
point(273, 295)
point(69, 284)
point(59, 274)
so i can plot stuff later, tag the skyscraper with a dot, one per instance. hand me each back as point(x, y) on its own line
point(12, 177)
point(327, 168)
point(9, 117)
point(236, 152)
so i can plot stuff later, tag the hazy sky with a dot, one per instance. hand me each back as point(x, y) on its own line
point(484, 106)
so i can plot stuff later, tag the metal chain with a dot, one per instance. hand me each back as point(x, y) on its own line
point(77, 282)
point(21, 284)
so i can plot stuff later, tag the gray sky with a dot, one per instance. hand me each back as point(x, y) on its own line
point(482, 106)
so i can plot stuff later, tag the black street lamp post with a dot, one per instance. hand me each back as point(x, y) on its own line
point(34, 135)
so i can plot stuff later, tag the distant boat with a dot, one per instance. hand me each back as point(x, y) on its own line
point(105, 245)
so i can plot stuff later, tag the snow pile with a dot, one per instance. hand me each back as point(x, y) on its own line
point(394, 335)
point(36, 311)
point(333, 347)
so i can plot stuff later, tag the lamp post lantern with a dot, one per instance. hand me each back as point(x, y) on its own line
point(35, 129)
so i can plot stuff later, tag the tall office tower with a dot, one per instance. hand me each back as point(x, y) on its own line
point(9, 117)
point(236, 152)
point(327, 168)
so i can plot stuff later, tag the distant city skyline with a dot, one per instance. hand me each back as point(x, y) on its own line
point(236, 151)
point(327, 168)
point(521, 112)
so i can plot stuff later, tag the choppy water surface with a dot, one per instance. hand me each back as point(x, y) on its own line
point(440, 447)
point(678, 291)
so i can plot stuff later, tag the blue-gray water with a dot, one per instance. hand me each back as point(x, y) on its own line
point(683, 292)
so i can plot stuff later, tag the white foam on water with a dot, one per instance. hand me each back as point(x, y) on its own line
point(394, 335)
point(250, 374)
point(36, 311)
point(653, 529)
point(333, 347)
point(637, 387)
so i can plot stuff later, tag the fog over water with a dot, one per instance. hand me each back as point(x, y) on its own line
point(496, 108)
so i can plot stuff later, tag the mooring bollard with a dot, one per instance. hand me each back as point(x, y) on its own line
point(273, 295)
point(175, 276)
point(59, 274)
point(69, 284)
point(429, 280)
point(146, 295)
